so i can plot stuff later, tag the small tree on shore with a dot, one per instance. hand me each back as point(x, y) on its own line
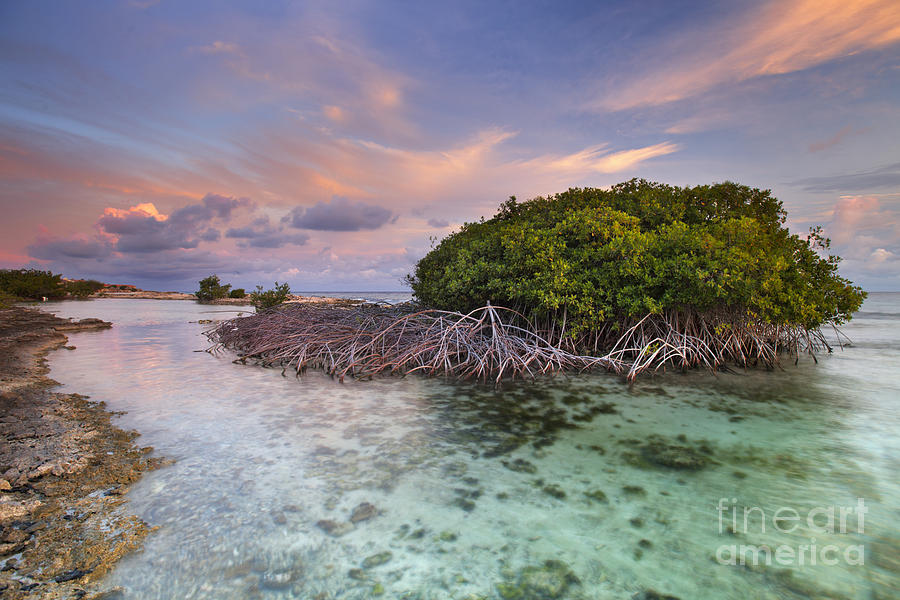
point(83, 288)
point(212, 289)
point(269, 298)
point(237, 293)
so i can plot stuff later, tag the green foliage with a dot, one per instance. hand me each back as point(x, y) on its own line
point(31, 284)
point(82, 288)
point(212, 289)
point(6, 299)
point(591, 256)
point(237, 293)
point(269, 298)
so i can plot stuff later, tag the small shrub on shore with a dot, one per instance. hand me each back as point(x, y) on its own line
point(237, 293)
point(212, 289)
point(82, 288)
point(269, 298)
point(6, 300)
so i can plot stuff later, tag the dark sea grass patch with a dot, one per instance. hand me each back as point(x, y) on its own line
point(653, 595)
point(634, 490)
point(678, 454)
point(549, 581)
point(555, 491)
point(520, 465)
point(597, 496)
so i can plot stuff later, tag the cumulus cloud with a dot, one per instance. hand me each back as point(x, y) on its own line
point(262, 234)
point(339, 215)
point(856, 218)
point(880, 255)
point(143, 228)
point(865, 231)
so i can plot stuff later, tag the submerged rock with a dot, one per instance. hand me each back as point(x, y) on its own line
point(363, 512)
point(677, 455)
point(377, 559)
point(278, 580)
point(548, 581)
point(334, 528)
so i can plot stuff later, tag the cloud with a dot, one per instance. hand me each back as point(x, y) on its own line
point(598, 159)
point(880, 255)
point(335, 113)
point(211, 235)
point(212, 206)
point(261, 234)
point(143, 228)
point(79, 247)
point(881, 177)
point(339, 215)
point(326, 68)
point(866, 232)
point(438, 223)
point(219, 47)
point(782, 37)
point(834, 140)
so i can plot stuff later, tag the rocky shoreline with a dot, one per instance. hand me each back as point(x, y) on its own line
point(64, 468)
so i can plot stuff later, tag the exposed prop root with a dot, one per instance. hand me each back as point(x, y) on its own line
point(495, 343)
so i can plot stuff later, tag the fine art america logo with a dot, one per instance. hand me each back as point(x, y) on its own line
point(825, 521)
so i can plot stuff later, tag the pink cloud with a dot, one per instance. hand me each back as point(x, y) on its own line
point(781, 37)
point(834, 140)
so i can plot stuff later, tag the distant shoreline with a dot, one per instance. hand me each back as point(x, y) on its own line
point(151, 295)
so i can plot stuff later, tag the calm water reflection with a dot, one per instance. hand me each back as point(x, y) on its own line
point(577, 487)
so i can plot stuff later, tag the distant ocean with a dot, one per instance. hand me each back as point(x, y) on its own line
point(387, 297)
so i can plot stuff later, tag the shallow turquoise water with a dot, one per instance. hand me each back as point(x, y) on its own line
point(476, 488)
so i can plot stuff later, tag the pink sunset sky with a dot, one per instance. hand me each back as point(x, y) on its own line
point(325, 144)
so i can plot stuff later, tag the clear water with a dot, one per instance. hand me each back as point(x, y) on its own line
point(261, 458)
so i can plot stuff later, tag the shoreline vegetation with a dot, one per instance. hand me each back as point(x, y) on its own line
point(635, 279)
point(64, 470)
point(33, 285)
